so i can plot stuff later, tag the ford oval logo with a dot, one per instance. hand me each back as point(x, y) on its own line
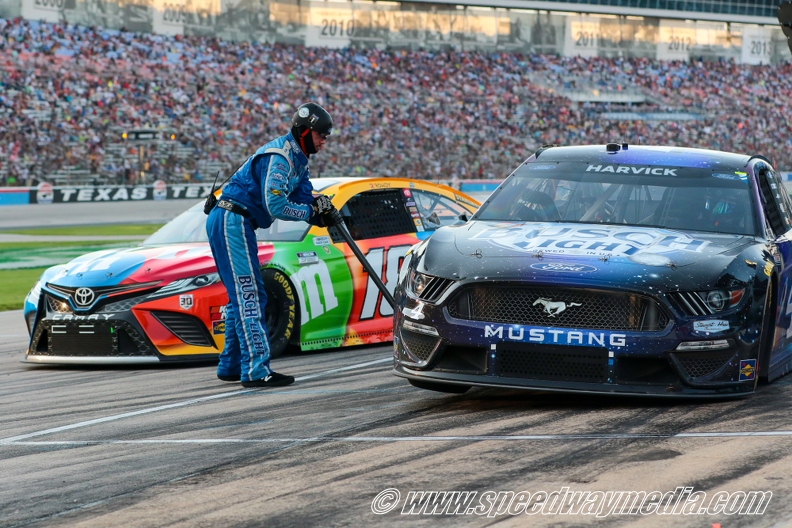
point(562, 267)
point(83, 296)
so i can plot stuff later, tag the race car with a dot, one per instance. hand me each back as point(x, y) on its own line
point(615, 268)
point(163, 300)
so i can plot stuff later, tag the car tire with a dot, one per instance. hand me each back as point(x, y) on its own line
point(281, 311)
point(440, 387)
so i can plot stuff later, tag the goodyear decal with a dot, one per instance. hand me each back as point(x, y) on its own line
point(747, 369)
point(218, 327)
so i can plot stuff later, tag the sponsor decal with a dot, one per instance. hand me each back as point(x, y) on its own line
point(291, 211)
point(186, 301)
point(616, 241)
point(45, 193)
point(321, 241)
point(553, 308)
point(562, 267)
point(414, 313)
point(768, 269)
point(307, 257)
point(532, 166)
point(412, 185)
point(380, 185)
point(135, 193)
point(217, 313)
point(218, 327)
point(747, 369)
point(713, 325)
point(632, 169)
point(303, 112)
point(407, 192)
point(250, 312)
point(159, 190)
point(418, 224)
point(415, 215)
point(462, 199)
point(555, 336)
point(413, 209)
point(409, 203)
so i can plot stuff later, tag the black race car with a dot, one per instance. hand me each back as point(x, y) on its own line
point(614, 268)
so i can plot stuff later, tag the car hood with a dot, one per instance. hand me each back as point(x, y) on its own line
point(142, 264)
point(585, 253)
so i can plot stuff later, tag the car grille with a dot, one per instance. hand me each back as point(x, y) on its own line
point(90, 339)
point(573, 308)
point(186, 327)
point(699, 365)
point(120, 298)
point(552, 363)
point(419, 346)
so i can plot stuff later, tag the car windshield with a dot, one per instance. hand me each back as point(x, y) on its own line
point(190, 226)
point(670, 197)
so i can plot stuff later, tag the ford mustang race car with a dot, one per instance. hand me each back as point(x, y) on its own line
point(615, 268)
point(163, 301)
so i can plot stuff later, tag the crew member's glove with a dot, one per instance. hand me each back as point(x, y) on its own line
point(322, 204)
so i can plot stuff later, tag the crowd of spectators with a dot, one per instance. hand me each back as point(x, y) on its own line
point(67, 93)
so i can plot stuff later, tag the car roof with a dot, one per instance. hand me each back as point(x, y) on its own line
point(644, 155)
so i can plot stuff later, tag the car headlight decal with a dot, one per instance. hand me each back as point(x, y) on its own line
point(720, 300)
point(188, 284)
point(427, 287)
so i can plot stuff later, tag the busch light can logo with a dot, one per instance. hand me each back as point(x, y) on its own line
point(563, 267)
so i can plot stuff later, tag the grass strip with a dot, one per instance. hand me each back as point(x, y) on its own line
point(15, 285)
point(87, 230)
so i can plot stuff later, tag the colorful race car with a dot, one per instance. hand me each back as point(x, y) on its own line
point(163, 301)
point(613, 269)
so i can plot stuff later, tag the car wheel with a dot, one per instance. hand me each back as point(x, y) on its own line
point(280, 314)
point(440, 387)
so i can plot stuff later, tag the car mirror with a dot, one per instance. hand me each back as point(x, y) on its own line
point(463, 217)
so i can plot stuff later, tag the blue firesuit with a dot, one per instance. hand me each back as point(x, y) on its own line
point(272, 183)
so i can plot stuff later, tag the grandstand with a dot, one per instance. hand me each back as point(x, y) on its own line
point(415, 98)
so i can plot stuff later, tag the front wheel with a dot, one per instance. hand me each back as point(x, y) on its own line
point(440, 387)
point(280, 314)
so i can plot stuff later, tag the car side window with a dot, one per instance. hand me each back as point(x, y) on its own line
point(776, 201)
point(434, 210)
point(375, 214)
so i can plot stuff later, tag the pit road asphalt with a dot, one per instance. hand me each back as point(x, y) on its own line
point(174, 446)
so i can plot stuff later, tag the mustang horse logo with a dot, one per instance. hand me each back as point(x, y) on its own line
point(553, 308)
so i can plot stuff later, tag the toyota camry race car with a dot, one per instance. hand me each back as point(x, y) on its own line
point(618, 269)
point(163, 301)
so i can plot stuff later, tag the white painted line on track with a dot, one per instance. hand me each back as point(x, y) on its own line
point(385, 439)
point(13, 439)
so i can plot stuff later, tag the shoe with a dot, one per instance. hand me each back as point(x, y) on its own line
point(273, 380)
point(230, 377)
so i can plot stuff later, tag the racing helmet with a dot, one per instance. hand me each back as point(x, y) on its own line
point(310, 116)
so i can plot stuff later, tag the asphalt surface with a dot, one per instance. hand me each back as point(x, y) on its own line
point(67, 214)
point(85, 447)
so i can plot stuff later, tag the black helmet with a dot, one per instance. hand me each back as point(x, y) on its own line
point(310, 116)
